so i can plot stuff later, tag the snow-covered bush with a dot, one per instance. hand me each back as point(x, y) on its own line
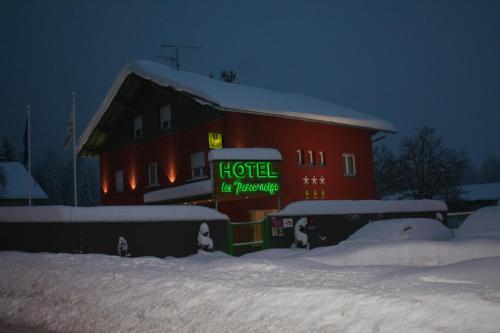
point(483, 223)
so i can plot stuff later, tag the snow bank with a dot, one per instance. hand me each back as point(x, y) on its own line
point(336, 207)
point(215, 293)
point(237, 97)
point(400, 229)
point(483, 223)
point(244, 154)
point(109, 213)
point(406, 253)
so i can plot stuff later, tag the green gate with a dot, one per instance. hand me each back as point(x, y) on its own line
point(247, 237)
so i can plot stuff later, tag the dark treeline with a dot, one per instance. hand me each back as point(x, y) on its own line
point(55, 176)
point(424, 167)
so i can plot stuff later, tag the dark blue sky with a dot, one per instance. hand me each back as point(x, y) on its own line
point(413, 63)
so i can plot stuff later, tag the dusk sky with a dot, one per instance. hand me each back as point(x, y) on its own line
point(413, 63)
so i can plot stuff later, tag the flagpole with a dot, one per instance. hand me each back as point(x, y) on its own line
point(74, 151)
point(30, 184)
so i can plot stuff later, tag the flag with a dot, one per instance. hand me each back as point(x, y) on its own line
point(69, 131)
point(25, 143)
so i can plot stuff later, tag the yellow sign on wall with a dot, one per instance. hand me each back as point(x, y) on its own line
point(214, 140)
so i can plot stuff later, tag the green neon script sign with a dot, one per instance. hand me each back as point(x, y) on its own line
point(247, 178)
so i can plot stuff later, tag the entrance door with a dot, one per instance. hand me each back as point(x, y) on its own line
point(259, 215)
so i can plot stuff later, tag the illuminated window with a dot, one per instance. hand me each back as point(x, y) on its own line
point(119, 180)
point(153, 174)
point(198, 165)
point(322, 161)
point(349, 164)
point(166, 117)
point(300, 160)
point(310, 154)
point(138, 127)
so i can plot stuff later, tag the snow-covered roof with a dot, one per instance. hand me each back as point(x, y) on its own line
point(237, 97)
point(336, 207)
point(489, 191)
point(193, 189)
point(109, 213)
point(17, 180)
point(245, 154)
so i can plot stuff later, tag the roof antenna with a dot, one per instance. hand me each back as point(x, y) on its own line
point(177, 48)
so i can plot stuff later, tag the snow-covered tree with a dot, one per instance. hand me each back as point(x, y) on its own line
point(228, 76)
point(52, 175)
point(490, 169)
point(3, 181)
point(387, 176)
point(428, 169)
point(88, 184)
point(471, 174)
point(7, 153)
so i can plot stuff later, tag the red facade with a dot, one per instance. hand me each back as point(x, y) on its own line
point(172, 151)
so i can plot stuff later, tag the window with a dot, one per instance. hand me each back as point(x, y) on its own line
point(166, 117)
point(310, 154)
point(349, 165)
point(322, 161)
point(153, 174)
point(119, 180)
point(138, 127)
point(198, 165)
point(300, 160)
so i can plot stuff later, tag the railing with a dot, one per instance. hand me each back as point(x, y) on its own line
point(247, 237)
point(456, 219)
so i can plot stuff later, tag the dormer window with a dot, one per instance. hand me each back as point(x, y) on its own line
point(138, 127)
point(166, 117)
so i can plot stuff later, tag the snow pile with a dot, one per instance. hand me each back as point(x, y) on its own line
point(483, 223)
point(406, 253)
point(410, 242)
point(336, 207)
point(216, 293)
point(109, 213)
point(400, 229)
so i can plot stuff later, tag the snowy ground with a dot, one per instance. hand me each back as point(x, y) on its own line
point(274, 290)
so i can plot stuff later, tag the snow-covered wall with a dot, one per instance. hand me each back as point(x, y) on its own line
point(109, 214)
point(336, 207)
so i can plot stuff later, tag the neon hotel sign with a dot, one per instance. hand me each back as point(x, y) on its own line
point(244, 178)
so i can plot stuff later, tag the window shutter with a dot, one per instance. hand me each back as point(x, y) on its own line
point(166, 117)
point(119, 180)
